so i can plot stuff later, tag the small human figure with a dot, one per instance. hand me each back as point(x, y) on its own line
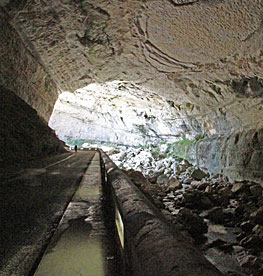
point(76, 148)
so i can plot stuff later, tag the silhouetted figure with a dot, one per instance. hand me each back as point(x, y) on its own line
point(76, 148)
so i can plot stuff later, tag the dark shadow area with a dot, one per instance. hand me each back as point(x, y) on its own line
point(23, 134)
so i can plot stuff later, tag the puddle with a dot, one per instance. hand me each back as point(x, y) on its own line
point(84, 193)
point(74, 253)
point(93, 191)
point(33, 172)
point(29, 177)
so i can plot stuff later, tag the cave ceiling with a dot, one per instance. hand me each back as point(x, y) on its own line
point(204, 52)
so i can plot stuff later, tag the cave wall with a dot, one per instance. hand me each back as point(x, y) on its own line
point(203, 58)
point(22, 71)
point(117, 112)
point(238, 155)
point(23, 134)
point(27, 97)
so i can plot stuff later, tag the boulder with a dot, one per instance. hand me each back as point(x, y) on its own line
point(206, 202)
point(252, 241)
point(250, 261)
point(247, 226)
point(191, 199)
point(162, 179)
point(174, 184)
point(192, 222)
point(240, 210)
point(257, 216)
point(258, 230)
point(237, 187)
point(198, 174)
point(256, 190)
point(195, 183)
point(216, 215)
point(199, 185)
point(187, 180)
point(137, 178)
point(209, 189)
point(226, 192)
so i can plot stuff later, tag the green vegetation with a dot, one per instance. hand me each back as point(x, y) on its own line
point(80, 142)
point(161, 150)
point(181, 148)
point(73, 142)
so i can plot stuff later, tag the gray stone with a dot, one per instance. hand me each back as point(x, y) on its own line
point(238, 248)
point(237, 187)
point(256, 190)
point(257, 216)
point(249, 261)
point(162, 179)
point(247, 226)
point(187, 180)
point(258, 230)
point(216, 215)
point(209, 189)
point(199, 185)
point(226, 191)
point(174, 184)
point(252, 241)
point(198, 174)
point(193, 223)
point(195, 183)
point(206, 202)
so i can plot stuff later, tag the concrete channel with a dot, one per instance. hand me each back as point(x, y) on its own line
point(84, 242)
point(110, 228)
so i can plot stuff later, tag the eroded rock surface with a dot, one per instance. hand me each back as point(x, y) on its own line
point(23, 135)
point(22, 70)
point(203, 57)
point(117, 112)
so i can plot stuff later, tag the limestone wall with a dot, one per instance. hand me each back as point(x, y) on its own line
point(238, 156)
point(23, 134)
point(27, 97)
point(22, 72)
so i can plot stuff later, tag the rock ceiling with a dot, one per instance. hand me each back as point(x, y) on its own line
point(206, 53)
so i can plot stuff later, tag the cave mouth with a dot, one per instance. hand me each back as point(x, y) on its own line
point(121, 113)
point(117, 112)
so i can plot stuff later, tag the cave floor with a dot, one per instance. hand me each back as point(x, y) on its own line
point(34, 196)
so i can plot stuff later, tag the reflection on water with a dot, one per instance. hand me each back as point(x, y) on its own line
point(73, 254)
point(85, 193)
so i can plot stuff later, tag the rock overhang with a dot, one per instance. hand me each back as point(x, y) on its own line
point(82, 41)
point(203, 58)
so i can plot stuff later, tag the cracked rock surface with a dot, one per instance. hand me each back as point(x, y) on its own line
point(203, 57)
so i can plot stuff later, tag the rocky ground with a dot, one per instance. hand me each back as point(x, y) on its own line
point(223, 218)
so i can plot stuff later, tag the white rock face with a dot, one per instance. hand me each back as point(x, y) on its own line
point(149, 161)
point(115, 112)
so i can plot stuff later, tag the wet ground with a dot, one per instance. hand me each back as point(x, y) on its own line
point(84, 243)
point(34, 196)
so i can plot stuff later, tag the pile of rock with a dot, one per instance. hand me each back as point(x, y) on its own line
point(154, 164)
point(221, 217)
point(237, 207)
point(224, 219)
